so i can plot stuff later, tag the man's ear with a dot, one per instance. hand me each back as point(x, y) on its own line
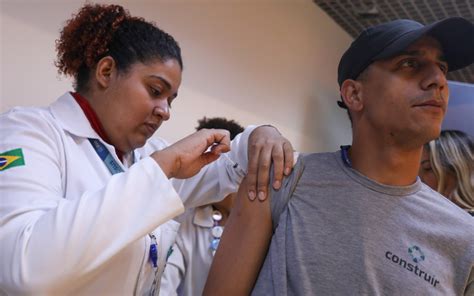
point(104, 70)
point(351, 93)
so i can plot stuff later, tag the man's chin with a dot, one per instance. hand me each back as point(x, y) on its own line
point(430, 133)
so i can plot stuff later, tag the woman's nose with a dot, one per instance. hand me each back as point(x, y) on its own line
point(162, 109)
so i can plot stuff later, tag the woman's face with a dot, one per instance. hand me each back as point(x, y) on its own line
point(138, 101)
point(426, 172)
point(428, 176)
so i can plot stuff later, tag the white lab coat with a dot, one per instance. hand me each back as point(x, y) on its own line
point(67, 226)
point(188, 266)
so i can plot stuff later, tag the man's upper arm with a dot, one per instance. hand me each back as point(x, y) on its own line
point(243, 247)
point(246, 239)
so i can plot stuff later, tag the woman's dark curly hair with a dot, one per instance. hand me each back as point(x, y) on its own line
point(98, 30)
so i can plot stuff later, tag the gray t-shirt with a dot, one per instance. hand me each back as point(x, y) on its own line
point(344, 234)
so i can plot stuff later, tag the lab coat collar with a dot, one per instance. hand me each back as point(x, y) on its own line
point(203, 217)
point(71, 117)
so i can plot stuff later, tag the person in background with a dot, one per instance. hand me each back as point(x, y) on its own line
point(199, 234)
point(82, 210)
point(359, 221)
point(447, 166)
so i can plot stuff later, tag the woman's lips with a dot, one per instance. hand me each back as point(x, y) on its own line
point(151, 127)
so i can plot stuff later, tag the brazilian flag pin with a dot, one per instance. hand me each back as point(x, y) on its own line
point(11, 159)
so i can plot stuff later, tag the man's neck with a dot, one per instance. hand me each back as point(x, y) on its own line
point(385, 164)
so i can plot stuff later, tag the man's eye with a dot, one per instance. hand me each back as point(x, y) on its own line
point(411, 63)
point(444, 68)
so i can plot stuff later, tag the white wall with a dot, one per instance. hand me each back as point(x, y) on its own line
point(255, 61)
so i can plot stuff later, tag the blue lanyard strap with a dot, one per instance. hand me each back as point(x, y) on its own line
point(107, 158)
point(345, 155)
point(153, 250)
point(115, 168)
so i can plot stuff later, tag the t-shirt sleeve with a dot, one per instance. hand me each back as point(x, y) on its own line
point(280, 198)
point(470, 284)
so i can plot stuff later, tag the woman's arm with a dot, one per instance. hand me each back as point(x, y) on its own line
point(242, 248)
point(50, 222)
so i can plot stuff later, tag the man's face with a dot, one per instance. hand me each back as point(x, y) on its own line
point(405, 97)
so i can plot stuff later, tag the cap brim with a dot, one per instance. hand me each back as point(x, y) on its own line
point(456, 36)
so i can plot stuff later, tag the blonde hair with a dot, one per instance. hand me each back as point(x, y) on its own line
point(453, 153)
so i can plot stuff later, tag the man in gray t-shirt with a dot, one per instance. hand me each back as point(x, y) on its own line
point(359, 221)
point(364, 238)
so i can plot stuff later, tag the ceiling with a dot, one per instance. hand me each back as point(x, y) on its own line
point(354, 16)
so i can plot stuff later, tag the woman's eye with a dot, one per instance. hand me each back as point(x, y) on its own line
point(155, 92)
point(427, 169)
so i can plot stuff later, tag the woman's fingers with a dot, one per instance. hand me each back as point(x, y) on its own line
point(266, 147)
point(186, 157)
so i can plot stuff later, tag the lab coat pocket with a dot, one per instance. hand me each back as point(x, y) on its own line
point(169, 231)
point(150, 278)
point(166, 238)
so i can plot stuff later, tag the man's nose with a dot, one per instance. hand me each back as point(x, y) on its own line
point(434, 77)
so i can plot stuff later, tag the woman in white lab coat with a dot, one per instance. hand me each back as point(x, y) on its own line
point(84, 206)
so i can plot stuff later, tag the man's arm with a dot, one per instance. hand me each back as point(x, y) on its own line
point(243, 247)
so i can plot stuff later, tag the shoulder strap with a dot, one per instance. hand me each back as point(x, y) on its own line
point(279, 199)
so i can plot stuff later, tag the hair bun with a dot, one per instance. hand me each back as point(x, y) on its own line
point(86, 36)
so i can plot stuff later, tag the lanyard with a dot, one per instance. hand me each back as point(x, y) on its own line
point(345, 155)
point(115, 168)
point(107, 158)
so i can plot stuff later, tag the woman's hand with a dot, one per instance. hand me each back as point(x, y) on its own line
point(267, 146)
point(186, 157)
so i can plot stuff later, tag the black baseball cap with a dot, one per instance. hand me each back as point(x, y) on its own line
point(455, 34)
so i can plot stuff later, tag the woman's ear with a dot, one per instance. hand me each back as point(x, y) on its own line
point(351, 93)
point(104, 71)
